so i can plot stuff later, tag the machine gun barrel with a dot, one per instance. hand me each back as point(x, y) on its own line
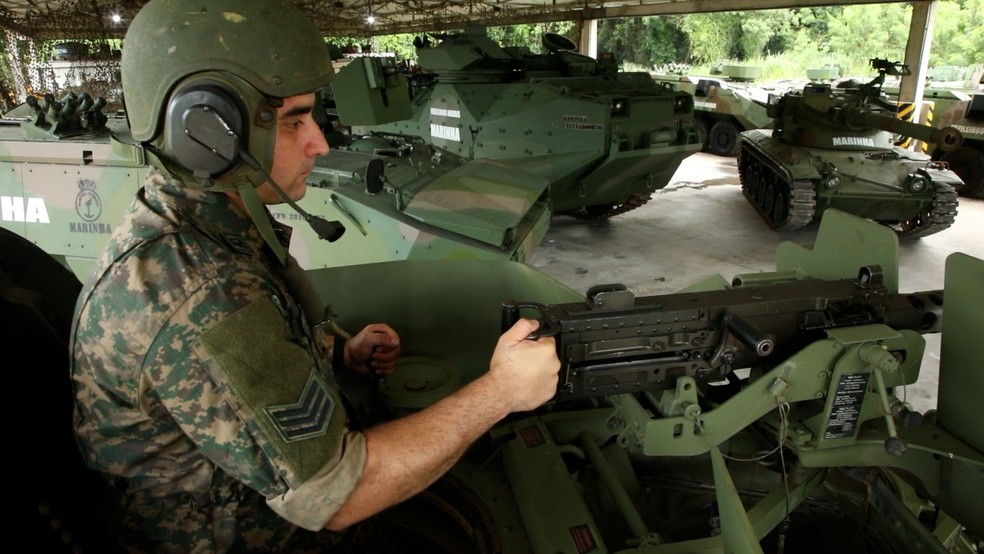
point(616, 343)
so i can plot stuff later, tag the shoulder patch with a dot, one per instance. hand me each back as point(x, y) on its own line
point(306, 418)
point(278, 387)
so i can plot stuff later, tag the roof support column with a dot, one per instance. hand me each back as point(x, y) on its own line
point(917, 54)
point(589, 38)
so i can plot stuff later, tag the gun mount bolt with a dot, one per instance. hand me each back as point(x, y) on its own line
point(614, 423)
point(895, 446)
point(799, 430)
point(691, 411)
point(820, 394)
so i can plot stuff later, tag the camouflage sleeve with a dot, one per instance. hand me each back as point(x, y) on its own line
point(254, 403)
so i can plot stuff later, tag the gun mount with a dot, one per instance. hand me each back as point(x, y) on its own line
point(812, 444)
point(835, 147)
point(603, 139)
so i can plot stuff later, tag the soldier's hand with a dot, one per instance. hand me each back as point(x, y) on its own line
point(375, 349)
point(525, 370)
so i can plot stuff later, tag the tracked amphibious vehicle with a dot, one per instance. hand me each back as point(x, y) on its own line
point(602, 138)
point(833, 147)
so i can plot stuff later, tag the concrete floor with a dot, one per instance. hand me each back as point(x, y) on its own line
point(700, 225)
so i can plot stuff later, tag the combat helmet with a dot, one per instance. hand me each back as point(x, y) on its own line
point(201, 63)
point(202, 80)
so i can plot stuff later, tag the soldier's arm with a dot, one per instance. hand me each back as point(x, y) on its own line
point(406, 455)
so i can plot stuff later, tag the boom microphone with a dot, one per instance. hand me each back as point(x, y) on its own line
point(326, 230)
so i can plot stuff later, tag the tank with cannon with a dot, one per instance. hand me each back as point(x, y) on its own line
point(603, 139)
point(766, 413)
point(70, 171)
point(833, 147)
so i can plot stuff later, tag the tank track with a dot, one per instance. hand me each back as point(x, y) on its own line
point(785, 204)
point(939, 216)
point(606, 211)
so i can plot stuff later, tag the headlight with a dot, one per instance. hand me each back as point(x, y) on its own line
point(917, 183)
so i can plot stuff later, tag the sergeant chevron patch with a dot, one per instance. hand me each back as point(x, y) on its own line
point(306, 418)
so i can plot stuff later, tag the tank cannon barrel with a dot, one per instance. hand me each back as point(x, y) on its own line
point(947, 139)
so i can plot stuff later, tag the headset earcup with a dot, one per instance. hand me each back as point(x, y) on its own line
point(204, 129)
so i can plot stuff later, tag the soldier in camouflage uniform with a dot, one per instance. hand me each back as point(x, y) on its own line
point(204, 393)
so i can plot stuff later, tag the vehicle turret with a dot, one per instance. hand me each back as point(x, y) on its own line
point(850, 118)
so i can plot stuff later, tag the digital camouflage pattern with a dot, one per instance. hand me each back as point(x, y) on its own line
point(202, 392)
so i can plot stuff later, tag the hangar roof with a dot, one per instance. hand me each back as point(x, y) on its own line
point(78, 19)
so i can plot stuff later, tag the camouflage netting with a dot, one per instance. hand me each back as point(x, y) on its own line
point(75, 50)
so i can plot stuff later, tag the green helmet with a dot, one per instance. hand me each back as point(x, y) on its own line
point(202, 80)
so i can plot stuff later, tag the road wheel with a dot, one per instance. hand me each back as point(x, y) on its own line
point(968, 163)
point(723, 139)
point(701, 127)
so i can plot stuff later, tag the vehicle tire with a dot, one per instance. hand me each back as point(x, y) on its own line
point(701, 127)
point(723, 139)
point(968, 163)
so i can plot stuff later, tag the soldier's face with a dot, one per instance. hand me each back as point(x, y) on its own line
point(299, 142)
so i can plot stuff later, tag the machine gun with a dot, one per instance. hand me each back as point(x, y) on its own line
point(616, 343)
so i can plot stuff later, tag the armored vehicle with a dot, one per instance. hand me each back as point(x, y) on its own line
point(962, 109)
point(764, 414)
point(834, 147)
point(724, 107)
point(68, 174)
point(603, 139)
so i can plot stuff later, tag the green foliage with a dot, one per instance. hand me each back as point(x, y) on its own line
point(958, 33)
point(711, 35)
point(661, 40)
point(872, 31)
point(787, 42)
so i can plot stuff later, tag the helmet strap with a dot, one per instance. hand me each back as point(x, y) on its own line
point(261, 218)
